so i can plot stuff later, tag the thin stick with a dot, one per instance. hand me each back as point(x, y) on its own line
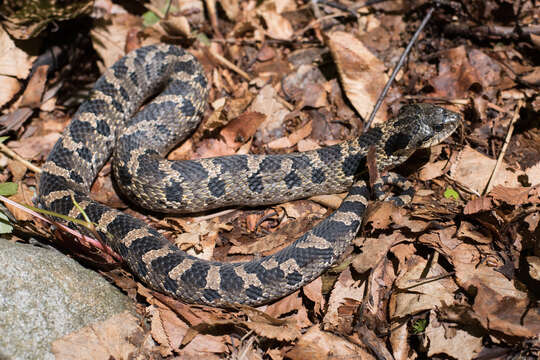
point(35, 212)
point(397, 68)
point(18, 158)
point(505, 145)
point(228, 64)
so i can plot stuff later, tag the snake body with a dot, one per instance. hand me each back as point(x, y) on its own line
point(109, 123)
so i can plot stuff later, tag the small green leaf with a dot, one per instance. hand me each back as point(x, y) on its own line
point(203, 38)
point(150, 18)
point(3, 138)
point(419, 326)
point(8, 189)
point(5, 226)
point(450, 193)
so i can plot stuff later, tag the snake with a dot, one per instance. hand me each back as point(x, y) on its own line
point(153, 98)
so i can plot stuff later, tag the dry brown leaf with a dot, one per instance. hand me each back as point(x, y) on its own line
point(199, 237)
point(512, 196)
point(169, 331)
point(290, 304)
point(534, 266)
point(533, 173)
point(432, 170)
point(314, 95)
point(111, 339)
point(210, 147)
point(382, 214)
point(36, 87)
point(17, 170)
point(443, 240)
point(292, 139)
point(456, 75)
point(277, 26)
point(176, 26)
point(450, 340)
point(267, 103)
point(239, 130)
point(507, 314)
point(399, 340)
point(109, 38)
point(468, 230)
point(418, 294)
point(346, 293)
point(313, 292)
point(362, 73)
point(14, 62)
point(23, 196)
point(285, 332)
point(474, 169)
point(474, 206)
point(373, 250)
point(319, 345)
point(231, 7)
point(9, 86)
point(498, 305)
point(35, 147)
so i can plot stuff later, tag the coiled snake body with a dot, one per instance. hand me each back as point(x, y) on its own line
point(108, 123)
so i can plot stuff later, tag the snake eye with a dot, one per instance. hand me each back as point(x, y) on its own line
point(437, 127)
point(423, 141)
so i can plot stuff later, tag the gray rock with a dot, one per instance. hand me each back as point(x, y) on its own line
point(45, 295)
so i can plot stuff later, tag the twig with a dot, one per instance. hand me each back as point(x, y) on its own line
point(212, 14)
point(18, 158)
point(440, 99)
point(314, 23)
point(397, 68)
point(493, 31)
point(228, 64)
point(35, 212)
point(339, 6)
point(505, 145)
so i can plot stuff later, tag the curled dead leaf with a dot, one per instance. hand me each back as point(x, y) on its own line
point(362, 73)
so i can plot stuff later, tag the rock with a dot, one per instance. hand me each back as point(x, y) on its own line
point(45, 295)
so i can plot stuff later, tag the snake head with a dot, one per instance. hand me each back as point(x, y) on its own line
point(427, 124)
point(416, 126)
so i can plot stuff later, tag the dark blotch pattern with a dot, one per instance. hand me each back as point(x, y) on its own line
point(174, 192)
point(270, 164)
point(76, 177)
point(300, 162)
point(191, 171)
point(85, 154)
point(396, 142)
point(231, 164)
point(254, 292)
point(330, 155)
point(211, 295)
point(103, 128)
point(123, 175)
point(149, 167)
point(187, 108)
point(196, 275)
point(318, 176)
point(255, 184)
point(80, 130)
point(351, 164)
point(292, 180)
point(230, 281)
point(294, 278)
point(217, 187)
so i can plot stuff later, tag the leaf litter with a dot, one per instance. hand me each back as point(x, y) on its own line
point(453, 275)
